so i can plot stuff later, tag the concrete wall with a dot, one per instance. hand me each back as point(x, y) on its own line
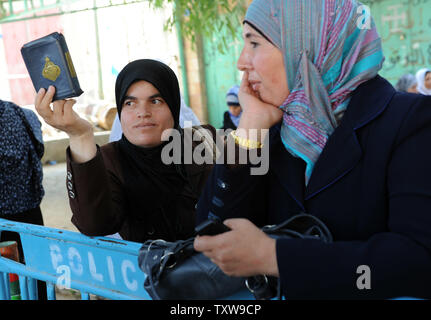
point(55, 149)
point(126, 33)
point(14, 72)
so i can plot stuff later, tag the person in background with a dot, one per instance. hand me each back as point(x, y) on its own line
point(231, 117)
point(423, 76)
point(343, 145)
point(21, 174)
point(21, 151)
point(407, 83)
point(125, 186)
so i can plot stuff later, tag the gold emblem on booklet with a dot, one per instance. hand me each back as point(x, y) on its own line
point(51, 71)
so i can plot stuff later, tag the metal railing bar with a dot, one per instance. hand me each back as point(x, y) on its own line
point(45, 232)
point(7, 265)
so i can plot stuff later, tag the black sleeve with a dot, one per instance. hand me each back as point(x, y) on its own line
point(233, 191)
point(95, 196)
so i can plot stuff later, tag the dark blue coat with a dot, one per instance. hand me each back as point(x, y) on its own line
point(371, 186)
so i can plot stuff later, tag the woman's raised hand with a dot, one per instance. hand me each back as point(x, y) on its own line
point(256, 113)
point(61, 116)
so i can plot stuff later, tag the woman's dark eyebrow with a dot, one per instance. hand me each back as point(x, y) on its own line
point(249, 35)
point(157, 95)
point(130, 98)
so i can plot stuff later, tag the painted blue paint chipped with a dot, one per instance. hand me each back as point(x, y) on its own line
point(93, 265)
point(97, 265)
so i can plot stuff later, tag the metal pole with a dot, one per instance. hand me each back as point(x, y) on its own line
point(99, 63)
point(182, 57)
point(10, 7)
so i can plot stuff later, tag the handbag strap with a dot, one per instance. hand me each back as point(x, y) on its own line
point(160, 255)
point(303, 226)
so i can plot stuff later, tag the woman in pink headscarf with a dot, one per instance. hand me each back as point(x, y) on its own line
point(343, 145)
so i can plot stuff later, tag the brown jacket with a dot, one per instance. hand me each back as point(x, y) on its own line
point(98, 202)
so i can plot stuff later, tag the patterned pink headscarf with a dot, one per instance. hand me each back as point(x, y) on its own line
point(330, 47)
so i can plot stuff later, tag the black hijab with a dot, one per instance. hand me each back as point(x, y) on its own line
point(151, 186)
point(159, 75)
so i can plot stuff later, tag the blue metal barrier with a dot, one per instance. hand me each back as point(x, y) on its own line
point(101, 266)
point(98, 265)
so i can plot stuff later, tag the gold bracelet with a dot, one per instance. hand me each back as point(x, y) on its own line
point(246, 143)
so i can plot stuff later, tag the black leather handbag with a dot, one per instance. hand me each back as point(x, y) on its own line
point(175, 271)
point(303, 226)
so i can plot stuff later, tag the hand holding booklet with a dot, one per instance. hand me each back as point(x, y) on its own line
point(48, 62)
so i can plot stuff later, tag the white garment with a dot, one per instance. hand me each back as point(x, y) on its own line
point(187, 115)
point(420, 77)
